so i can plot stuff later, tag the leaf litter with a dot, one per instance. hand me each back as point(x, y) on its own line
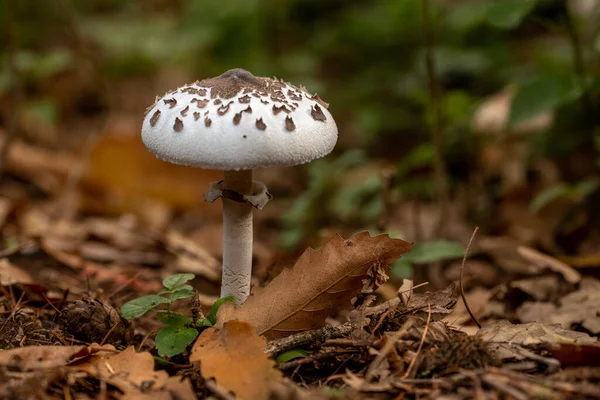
point(64, 276)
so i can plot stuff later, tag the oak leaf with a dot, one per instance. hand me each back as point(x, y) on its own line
point(321, 283)
point(234, 356)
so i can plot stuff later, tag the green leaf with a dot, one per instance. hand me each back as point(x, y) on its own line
point(542, 94)
point(290, 355)
point(140, 306)
point(173, 318)
point(182, 292)
point(418, 157)
point(204, 322)
point(212, 315)
point(175, 281)
point(434, 250)
point(402, 268)
point(172, 340)
point(549, 195)
point(508, 14)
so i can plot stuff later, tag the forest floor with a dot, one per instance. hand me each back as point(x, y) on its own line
point(85, 232)
point(65, 276)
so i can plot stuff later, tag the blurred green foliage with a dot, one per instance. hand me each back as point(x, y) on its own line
point(367, 58)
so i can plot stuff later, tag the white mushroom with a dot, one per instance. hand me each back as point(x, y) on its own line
point(237, 122)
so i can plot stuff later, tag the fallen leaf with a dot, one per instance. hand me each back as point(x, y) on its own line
point(10, 274)
point(579, 307)
point(191, 257)
point(121, 165)
point(234, 355)
point(37, 357)
point(542, 287)
point(545, 261)
point(321, 283)
point(531, 334)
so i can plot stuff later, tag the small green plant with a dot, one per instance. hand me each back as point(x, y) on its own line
point(178, 330)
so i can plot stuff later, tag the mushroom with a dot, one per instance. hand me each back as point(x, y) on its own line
point(238, 122)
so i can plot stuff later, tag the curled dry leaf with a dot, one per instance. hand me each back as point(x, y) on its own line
point(534, 333)
point(234, 356)
point(320, 283)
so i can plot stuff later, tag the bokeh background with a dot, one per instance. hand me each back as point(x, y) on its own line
point(452, 114)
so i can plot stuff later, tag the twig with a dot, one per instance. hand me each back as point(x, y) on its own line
point(414, 360)
point(219, 391)
point(387, 348)
point(439, 164)
point(111, 330)
point(316, 357)
point(502, 387)
point(552, 363)
point(18, 92)
point(391, 304)
point(462, 270)
point(278, 346)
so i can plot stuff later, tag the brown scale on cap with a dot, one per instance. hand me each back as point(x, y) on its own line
point(244, 99)
point(207, 122)
point(294, 95)
point(185, 111)
point(289, 124)
point(154, 118)
point(201, 92)
point(178, 125)
point(317, 113)
point(224, 108)
point(319, 100)
point(201, 103)
point(238, 117)
point(189, 90)
point(277, 110)
point(264, 101)
point(171, 102)
point(196, 115)
point(260, 124)
point(217, 102)
point(152, 106)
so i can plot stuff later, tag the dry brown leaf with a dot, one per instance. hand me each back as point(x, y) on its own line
point(581, 307)
point(121, 166)
point(234, 356)
point(39, 357)
point(545, 261)
point(10, 274)
point(320, 283)
point(133, 373)
point(191, 257)
point(534, 333)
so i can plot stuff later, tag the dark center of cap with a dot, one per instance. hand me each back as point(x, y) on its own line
point(232, 82)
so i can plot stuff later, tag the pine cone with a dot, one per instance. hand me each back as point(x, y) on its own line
point(91, 320)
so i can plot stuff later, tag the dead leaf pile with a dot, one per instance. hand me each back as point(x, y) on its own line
point(37, 372)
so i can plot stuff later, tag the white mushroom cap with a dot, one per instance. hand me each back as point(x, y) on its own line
point(237, 121)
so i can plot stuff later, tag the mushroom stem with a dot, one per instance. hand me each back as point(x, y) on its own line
point(237, 237)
